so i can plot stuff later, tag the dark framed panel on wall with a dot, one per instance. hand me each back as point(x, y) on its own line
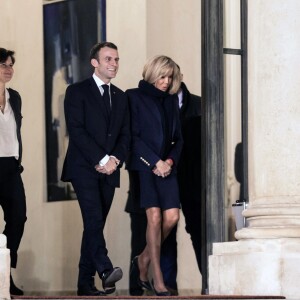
point(71, 28)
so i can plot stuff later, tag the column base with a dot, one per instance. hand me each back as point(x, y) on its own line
point(256, 267)
point(4, 269)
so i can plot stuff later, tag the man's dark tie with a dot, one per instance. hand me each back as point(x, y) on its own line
point(106, 97)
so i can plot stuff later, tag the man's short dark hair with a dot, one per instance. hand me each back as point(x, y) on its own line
point(5, 54)
point(96, 48)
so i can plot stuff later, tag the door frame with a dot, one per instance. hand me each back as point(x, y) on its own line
point(213, 213)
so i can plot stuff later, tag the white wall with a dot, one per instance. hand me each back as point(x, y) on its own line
point(49, 251)
point(174, 29)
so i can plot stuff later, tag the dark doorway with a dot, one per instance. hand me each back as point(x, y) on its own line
point(212, 129)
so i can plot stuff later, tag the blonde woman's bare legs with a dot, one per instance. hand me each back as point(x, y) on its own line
point(159, 226)
point(170, 219)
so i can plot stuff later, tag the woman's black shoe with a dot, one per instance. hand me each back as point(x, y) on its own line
point(135, 268)
point(144, 284)
point(160, 294)
point(13, 290)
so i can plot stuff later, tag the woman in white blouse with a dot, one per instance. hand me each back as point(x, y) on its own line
point(12, 195)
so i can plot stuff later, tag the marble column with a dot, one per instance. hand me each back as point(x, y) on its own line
point(274, 120)
point(265, 260)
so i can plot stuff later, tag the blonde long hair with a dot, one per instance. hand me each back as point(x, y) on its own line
point(160, 66)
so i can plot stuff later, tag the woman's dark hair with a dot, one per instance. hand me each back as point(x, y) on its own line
point(5, 54)
point(96, 48)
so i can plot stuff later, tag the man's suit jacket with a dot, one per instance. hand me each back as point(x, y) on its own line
point(16, 104)
point(189, 166)
point(147, 129)
point(92, 133)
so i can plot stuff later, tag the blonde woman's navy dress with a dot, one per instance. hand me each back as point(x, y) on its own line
point(156, 134)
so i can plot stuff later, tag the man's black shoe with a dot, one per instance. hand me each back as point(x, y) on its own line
point(174, 292)
point(89, 291)
point(109, 278)
point(14, 290)
point(138, 291)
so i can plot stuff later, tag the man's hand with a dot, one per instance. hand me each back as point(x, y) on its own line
point(100, 169)
point(109, 167)
point(117, 161)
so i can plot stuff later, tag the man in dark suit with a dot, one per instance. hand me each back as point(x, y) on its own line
point(97, 120)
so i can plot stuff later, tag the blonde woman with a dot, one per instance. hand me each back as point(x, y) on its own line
point(155, 151)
